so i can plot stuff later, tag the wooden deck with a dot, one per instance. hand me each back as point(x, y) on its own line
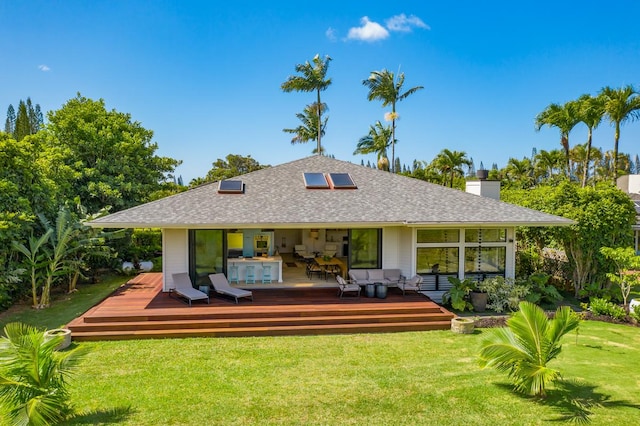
point(139, 310)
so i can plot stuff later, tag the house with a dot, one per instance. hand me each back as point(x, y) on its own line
point(370, 218)
point(630, 184)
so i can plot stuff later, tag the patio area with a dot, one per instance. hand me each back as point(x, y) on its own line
point(139, 309)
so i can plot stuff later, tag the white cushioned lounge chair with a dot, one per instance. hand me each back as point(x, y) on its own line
point(221, 285)
point(184, 288)
point(412, 284)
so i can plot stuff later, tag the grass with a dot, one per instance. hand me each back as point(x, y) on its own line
point(369, 379)
point(417, 378)
point(64, 307)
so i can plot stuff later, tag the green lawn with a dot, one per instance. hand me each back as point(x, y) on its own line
point(65, 307)
point(369, 379)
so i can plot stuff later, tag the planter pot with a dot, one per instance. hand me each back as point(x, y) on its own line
point(50, 334)
point(370, 290)
point(462, 325)
point(127, 266)
point(479, 301)
point(381, 291)
point(146, 265)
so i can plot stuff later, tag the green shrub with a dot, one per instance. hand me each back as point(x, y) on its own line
point(635, 313)
point(541, 291)
point(458, 295)
point(604, 307)
point(503, 293)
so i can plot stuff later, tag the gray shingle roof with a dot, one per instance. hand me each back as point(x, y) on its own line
point(277, 197)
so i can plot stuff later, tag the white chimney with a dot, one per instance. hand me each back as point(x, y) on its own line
point(629, 184)
point(484, 188)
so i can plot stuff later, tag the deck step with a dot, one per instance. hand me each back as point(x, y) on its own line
point(256, 322)
point(265, 331)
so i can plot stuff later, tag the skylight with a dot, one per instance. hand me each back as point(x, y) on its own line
point(342, 181)
point(315, 180)
point(230, 187)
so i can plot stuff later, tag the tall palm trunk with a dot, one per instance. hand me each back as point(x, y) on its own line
point(585, 171)
point(319, 123)
point(393, 143)
point(615, 152)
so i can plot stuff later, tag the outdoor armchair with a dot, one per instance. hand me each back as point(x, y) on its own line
point(344, 287)
point(221, 285)
point(184, 288)
point(412, 284)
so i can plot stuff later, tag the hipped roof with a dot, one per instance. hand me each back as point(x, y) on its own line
point(276, 197)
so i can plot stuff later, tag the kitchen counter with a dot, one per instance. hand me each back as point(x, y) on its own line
point(258, 262)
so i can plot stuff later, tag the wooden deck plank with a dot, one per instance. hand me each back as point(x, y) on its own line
point(139, 309)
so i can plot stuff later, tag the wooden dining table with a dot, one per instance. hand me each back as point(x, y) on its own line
point(333, 261)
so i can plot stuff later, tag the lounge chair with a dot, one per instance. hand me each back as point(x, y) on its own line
point(184, 288)
point(221, 285)
point(412, 284)
point(344, 287)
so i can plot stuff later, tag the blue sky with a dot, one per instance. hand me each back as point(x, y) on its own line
point(206, 76)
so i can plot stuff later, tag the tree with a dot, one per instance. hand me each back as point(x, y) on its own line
point(451, 162)
point(564, 117)
point(519, 173)
point(603, 217)
point(547, 162)
point(112, 157)
point(313, 79)
point(309, 128)
point(590, 112)
point(627, 272)
point(234, 165)
point(384, 86)
point(376, 141)
point(620, 106)
point(34, 377)
point(525, 347)
point(34, 259)
point(10, 124)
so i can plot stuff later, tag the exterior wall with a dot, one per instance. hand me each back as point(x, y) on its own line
point(629, 184)
point(175, 254)
point(397, 249)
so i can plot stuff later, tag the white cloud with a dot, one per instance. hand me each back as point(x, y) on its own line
point(44, 68)
point(331, 34)
point(404, 23)
point(368, 31)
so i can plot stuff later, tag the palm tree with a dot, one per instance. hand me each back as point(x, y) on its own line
point(520, 172)
point(378, 140)
point(309, 129)
point(451, 162)
point(313, 79)
point(525, 347)
point(548, 161)
point(620, 105)
point(384, 86)
point(34, 376)
point(564, 117)
point(590, 112)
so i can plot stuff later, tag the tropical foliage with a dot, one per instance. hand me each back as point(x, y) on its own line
point(376, 141)
point(34, 377)
point(603, 218)
point(627, 269)
point(525, 347)
point(384, 86)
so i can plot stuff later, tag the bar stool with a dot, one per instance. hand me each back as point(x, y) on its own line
point(251, 274)
point(233, 274)
point(266, 274)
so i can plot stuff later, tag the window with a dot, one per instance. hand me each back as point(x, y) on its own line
point(365, 247)
point(485, 260)
point(315, 180)
point(206, 254)
point(443, 260)
point(342, 181)
point(438, 235)
point(485, 235)
point(230, 187)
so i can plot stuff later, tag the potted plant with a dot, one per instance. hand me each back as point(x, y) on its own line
point(478, 299)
